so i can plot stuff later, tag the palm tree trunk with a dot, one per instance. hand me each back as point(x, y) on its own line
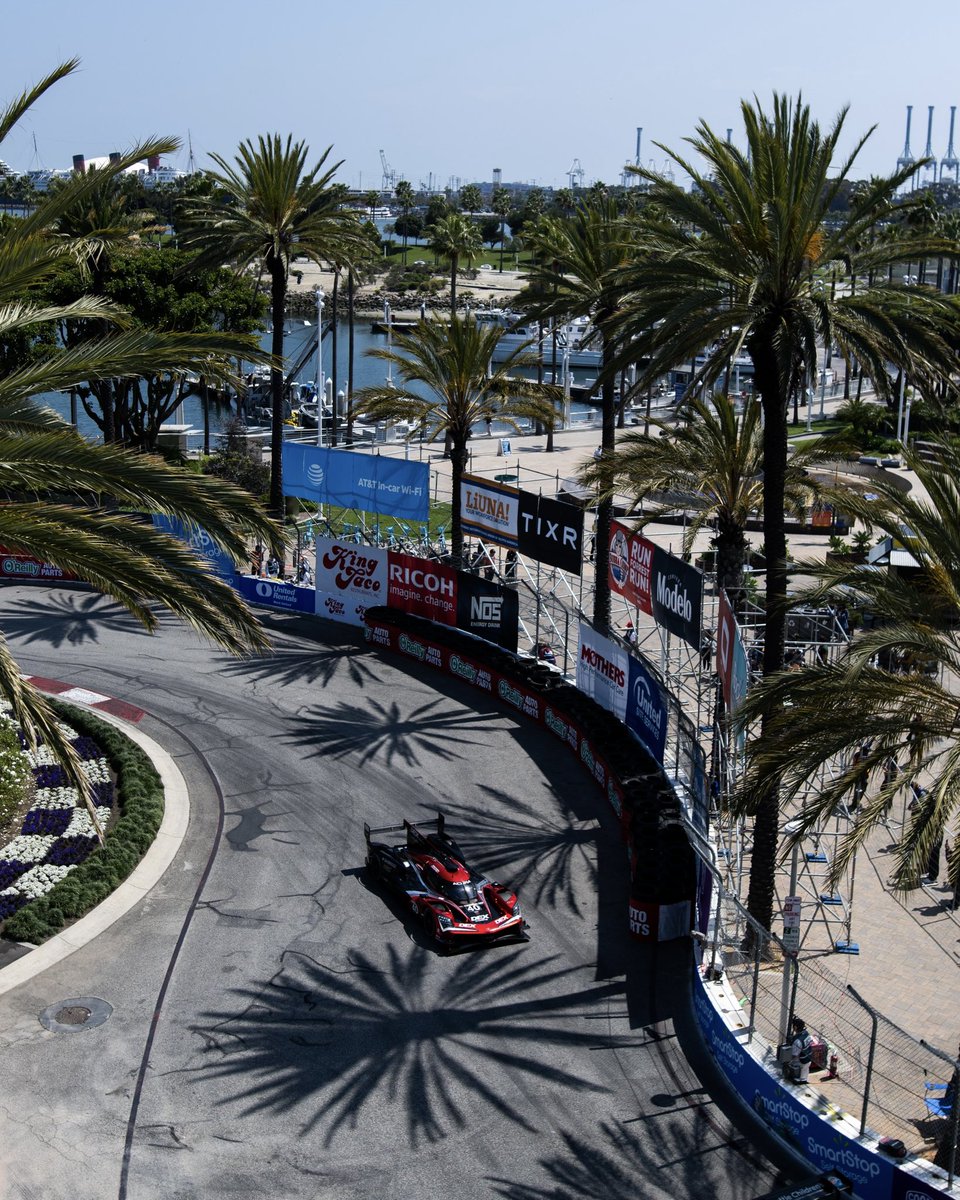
point(333, 356)
point(501, 244)
point(278, 296)
point(350, 351)
point(767, 812)
point(458, 455)
point(731, 556)
point(601, 592)
point(453, 284)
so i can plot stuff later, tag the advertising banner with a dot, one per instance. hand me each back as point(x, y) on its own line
point(732, 664)
point(370, 482)
point(489, 510)
point(602, 671)
point(199, 542)
point(273, 594)
point(656, 582)
point(350, 579)
point(815, 1137)
point(22, 566)
point(646, 708)
point(422, 587)
point(551, 532)
point(488, 610)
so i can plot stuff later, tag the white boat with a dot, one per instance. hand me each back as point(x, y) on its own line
point(572, 338)
point(307, 414)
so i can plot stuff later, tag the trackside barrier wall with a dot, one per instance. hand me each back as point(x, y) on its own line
point(821, 1132)
point(661, 859)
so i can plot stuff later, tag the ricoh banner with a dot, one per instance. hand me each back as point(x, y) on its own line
point(350, 579)
point(621, 683)
point(658, 583)
point(369, 482)
point(539, 527)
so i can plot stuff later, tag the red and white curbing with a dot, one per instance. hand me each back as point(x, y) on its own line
point(67, 691)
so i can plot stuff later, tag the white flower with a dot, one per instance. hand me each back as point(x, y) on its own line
point(97, 770)
point(39, 880)
point(81, 825)
point(43, 756)
point(56, 797)
point(28, 847)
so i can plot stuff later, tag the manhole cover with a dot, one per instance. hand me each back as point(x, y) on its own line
point(70, 1016)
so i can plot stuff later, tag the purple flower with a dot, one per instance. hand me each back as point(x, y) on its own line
point(47, 820)
point(70, 850)
point(103, 794)
point(10, 871)
point(11, 904)
point(87, 748)
point(50, 776)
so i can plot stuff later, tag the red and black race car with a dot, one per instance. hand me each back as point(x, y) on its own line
point(428, 871)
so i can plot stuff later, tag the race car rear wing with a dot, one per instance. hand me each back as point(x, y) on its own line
point(407, 827)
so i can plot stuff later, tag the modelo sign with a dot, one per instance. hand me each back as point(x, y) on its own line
point(350, 579)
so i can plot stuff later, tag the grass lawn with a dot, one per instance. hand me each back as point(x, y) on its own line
point(344, 522)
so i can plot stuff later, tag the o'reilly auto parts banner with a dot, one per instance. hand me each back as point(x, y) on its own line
point(539, 527)
point(551, 532)
point(622, 684)
point(350, 579)
point(658, 583)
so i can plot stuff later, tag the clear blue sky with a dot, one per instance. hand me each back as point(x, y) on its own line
point(456, 89)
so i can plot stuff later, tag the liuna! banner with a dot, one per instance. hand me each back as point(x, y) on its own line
point(369, 482)
point(539, 527)
point(657, 582)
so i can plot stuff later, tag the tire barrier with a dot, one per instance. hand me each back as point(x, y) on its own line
point(662, 862)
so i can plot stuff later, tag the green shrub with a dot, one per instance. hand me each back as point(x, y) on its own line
point(15, 775)
point(140, 803)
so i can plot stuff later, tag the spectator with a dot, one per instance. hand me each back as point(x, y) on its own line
point(630, 634)
point(273, 567)
point(707, 645)
point(801, 1052)
point(545, 653)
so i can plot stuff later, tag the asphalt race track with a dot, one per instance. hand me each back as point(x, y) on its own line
point(305, 1040)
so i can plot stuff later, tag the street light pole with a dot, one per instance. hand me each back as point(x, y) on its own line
point(791, 828)
point(903, 386)
point(321, 387)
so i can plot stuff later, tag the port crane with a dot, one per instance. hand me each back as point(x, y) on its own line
point(575, 175)
point(389, 179)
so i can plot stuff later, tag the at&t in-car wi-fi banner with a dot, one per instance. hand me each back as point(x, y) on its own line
point(657, 582)
point(350, 579)
point(489, 510)
point(551, 532)
point(369, 482)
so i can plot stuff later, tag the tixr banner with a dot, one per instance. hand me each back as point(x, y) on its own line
point(540, 527)
point(658, 583)
point(369, 482)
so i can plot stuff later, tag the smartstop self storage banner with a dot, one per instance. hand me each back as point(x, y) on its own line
point(622, 684)
point(658, 583)
point(348, 479)
point(539, 527)
point(351, 579)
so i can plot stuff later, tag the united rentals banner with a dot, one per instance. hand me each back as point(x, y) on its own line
point(350, 579)
point(273, 594)
point(539, 527)
point(657, 582)
point(369, 482)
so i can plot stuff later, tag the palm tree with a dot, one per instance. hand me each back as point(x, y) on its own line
point(904, 712)
point(713, 459)
point(455, 237)
point(265, 210)
point(451, 361)
point(579, 264)
point(54, 482)
point(500, 203)
point(742, 261)
point(405, 196)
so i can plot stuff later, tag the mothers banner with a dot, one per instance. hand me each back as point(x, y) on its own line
point(539, 527)
point(621, 683)
point(657, 582)
point(369, 482)
point(351, 579)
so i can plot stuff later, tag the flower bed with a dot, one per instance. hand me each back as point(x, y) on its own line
point(57, 833)
point(126, 785)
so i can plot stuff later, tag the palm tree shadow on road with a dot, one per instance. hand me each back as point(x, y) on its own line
point(71, 618)
point(374, 729)
point(287, 665)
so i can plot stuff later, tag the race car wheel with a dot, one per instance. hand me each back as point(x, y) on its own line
point(374, 869)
